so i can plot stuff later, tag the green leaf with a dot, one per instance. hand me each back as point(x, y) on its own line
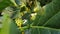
point(4, 4)
point(49, 11)
point(49, 22)
point(53, 21)
point(9, 27)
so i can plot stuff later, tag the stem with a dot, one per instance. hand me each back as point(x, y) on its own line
point(43, 27)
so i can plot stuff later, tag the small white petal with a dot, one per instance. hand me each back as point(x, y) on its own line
point(25, 21)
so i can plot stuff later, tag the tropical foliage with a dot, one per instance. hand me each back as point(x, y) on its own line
point(30, 16)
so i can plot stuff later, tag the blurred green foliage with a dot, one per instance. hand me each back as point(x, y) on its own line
point(45, 19)
point(4, 4)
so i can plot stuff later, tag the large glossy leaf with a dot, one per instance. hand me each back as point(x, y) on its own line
point(49, 11)
point(49, 22)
